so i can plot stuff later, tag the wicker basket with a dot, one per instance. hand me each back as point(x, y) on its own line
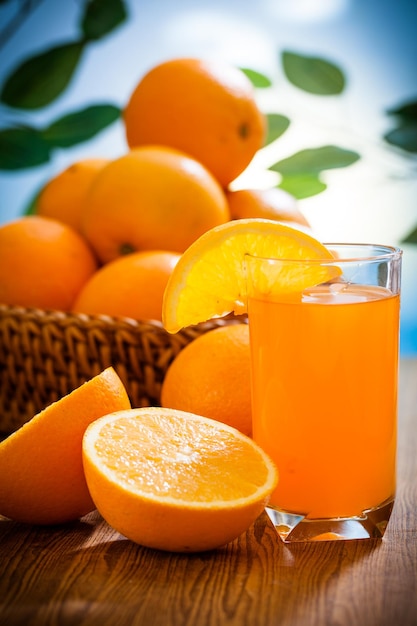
point(46, 354)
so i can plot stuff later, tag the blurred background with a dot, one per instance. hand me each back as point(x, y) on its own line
point(373, 42)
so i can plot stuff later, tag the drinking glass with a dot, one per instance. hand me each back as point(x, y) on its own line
point(324, 388)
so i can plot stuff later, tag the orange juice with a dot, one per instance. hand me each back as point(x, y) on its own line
point(324, 369)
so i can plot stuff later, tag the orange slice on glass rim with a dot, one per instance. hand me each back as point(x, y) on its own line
point(210, 281)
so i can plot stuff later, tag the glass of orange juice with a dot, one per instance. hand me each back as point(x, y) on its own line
point(324, 389)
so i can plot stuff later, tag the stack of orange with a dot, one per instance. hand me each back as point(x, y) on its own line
point(192, 127)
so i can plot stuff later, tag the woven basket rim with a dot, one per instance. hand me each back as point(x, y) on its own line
point(86, 318)
point(45, 354)
point(82, 318)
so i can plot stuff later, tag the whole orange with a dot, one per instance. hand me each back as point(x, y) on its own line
point(211, 377)
point(130, 286)
point(43, 263)
point(205, 108)
point(63, 197)
point(272, 204)
point(152, 198)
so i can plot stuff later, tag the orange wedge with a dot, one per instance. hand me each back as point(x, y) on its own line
point(209, 280)
point(41, 473)
point(173, 480)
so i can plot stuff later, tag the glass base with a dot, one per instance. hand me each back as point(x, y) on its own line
point(297, 528)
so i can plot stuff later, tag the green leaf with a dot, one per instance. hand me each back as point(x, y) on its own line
point(301, 171)
point(312, 74)
point(22, 147)
point(315, 160)
point(101, 17)
point(258, 80)
point(404, 137)
point(276, 126)
point(42, 78)
point(411, 237)
point(302, 186)
point(80, 126)
point(407, 112)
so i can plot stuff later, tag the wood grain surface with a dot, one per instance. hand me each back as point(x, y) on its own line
point(86, 574)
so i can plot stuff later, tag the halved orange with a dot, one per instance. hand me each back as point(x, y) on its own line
point(176, 481)
point(209, 280)
point(41, 473)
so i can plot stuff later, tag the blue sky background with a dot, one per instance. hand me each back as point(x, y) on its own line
point(374, 41)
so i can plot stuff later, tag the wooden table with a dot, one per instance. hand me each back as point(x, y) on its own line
point(85, 574)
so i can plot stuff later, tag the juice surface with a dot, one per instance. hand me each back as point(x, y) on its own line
point(325, 397)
